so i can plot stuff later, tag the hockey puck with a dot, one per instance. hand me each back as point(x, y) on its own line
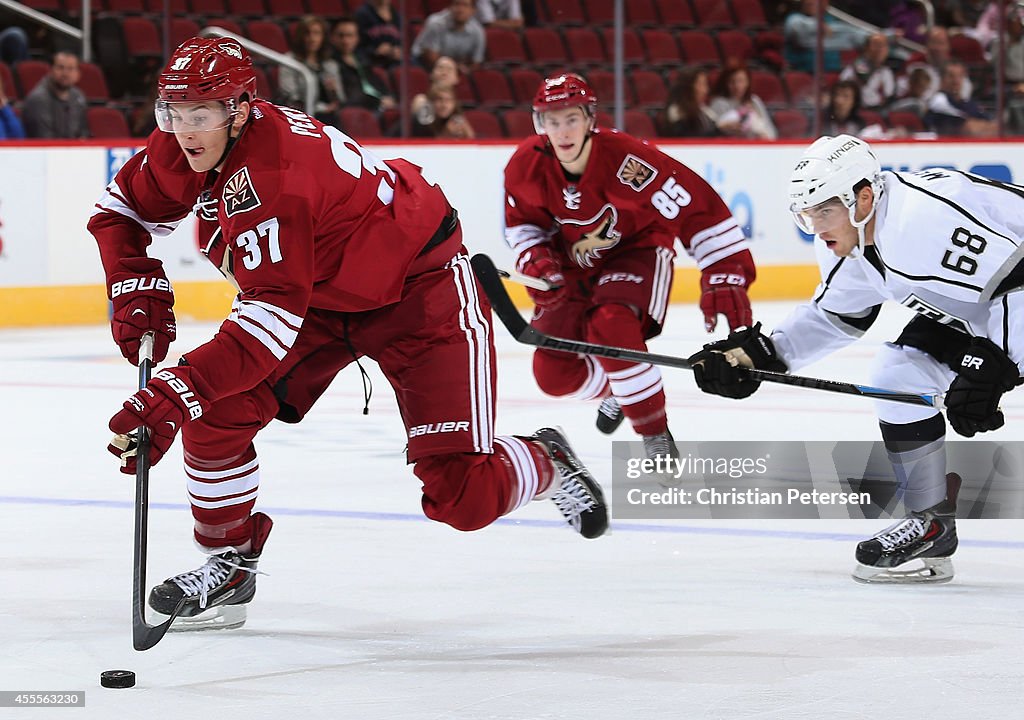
point(117, 679)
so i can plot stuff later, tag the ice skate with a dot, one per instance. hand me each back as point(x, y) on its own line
point(609, 415)
point(662, 445)
point(917, 549)
point(575, 492)
point(215, 593)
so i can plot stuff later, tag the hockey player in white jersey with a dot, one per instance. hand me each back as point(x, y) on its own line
point(948, 245)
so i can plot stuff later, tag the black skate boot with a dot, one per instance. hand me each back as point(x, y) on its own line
point(215, 593)
point(575, 492)
point(609, 415)
point(664, 446)
point(928, 536)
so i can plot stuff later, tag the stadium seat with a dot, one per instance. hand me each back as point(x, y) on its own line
point(699, 48)
point(632, 49)
point(600, 12)
point(51, 7)
point(492, 88)
point(210, 9)
point(713, 13)
point(662, 49)
point(871, 117)
point(648, 89)
point(967, 49)
point(485, 124)
point(642, 13)
point(289, 9)
point(524, 84)
point(359, 123)
point(182, 29)
point(263, 87)
point(335, 8)
point(92, 83)
point(735, 45)
point(768, 87)
point(749, 14)
point(904, 119)
point(675, 13)
point(465, 93)
point(432, 6)
point(791, 123)
point(419, 80)
point(639, 123)
point(518, 123)
point(28, 73)
point(563, 12)
point(585, 46)
point(105, 122)
point(7, 82)
point(799, 86)
point(126, 7)
point(247, 8)
point(268, 34)
point(178, 7)
point(544, 46)
point(142, 38)
point(504, 47)
point(603, 83)
point(226, 24)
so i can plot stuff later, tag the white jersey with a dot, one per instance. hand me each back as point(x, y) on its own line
point(949, 246)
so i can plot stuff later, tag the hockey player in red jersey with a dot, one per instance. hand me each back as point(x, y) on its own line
point(596, 213)
point(335, 254)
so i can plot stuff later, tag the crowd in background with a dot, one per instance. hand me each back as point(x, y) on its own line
point(874, 86)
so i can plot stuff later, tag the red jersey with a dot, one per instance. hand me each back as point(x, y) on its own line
point(630, 195)
point(300, 216)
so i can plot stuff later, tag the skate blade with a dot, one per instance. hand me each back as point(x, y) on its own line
point(930, 571)
point(225, 617)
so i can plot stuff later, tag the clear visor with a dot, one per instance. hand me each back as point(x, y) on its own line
point(823, 217)
point(188, 117)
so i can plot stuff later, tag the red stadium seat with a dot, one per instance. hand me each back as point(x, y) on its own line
point(799, 86)
point(735, 45)
point(749, 14)
point(662, 50)
point(492, 88)
point(484, 123)
point(504, 47)
point(648, 88)
point(419, 80)
point(603, 83)
point(525, 83)
point(518, 123)
point(911, 121)
point(791, 123)
point(92, 83)
point(329, 8)
point(698, 48)
point(182, 29)
point(7, 82)
point(967, 49)
point(359, 123)
point(226, 24)
point(713, 13)
point(263, 87)
point(642, 13)
point(126, 7)
point(585, 46)
point(639, 123)
point(28, 73)
point(872, 117)
point(544, 46)
point(107, 122)
point(268, 34)
point(632, 49)
point(600, 12)
point(210, 9)
point(768, 87)
point(563, 12)
point(675, 13)
point(142, 38)
point(247, 8)
point(283, 9)
point(178, 7)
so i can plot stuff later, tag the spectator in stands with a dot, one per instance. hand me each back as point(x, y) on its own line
point(444, 75)
point(842, 114)
point(907, 18)
point(442, 117)
point(380, 32)
point(55, 108)
point(1013, 68)
point(310, 47)
point(687, 113)
point(360, 85)
point(740, 113)
point(801, 32)
point(986, 30)
point(965, 13)
point(916, 99)
point(13, 45)
point(10, 125)
point(500, 13)
point(453, 32)
point(949, 114)
point(938, 55)
point(876, 79)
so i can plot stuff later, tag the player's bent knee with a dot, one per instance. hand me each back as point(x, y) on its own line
point(606, 322)
point(463, 490)
point(558, 374)
point(911, 370)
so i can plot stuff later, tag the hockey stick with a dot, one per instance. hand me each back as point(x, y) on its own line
point(490, 280)
point(144, 635)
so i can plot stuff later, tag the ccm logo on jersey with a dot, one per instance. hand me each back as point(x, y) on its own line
point(188, 398)
point(239, 194)
point(434, 428)
point(123, 287)
point(970, 361)
point(619, 277)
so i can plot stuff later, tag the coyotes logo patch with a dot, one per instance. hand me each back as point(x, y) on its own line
point(636, 173)
point(239, 194)
point(599, 236)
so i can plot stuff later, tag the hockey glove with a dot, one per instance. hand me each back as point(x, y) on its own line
point(723, 289)
point(171, 398)
point(540, 262)
point(984, 373)
point(143, 301)
point(718, 368)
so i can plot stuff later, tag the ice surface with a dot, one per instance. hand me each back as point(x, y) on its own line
point(370, 611)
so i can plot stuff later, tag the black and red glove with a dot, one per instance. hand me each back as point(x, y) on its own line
point(540, 262)
point(723, 287)
point(171, 398)
point(143, 302)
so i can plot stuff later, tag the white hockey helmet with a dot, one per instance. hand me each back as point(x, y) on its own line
point(830, 168)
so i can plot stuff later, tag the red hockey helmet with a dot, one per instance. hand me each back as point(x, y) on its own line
point(563, 91)
point(205, 69)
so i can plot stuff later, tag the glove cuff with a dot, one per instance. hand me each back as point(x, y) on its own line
point(737, 270)
point(985, 362)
